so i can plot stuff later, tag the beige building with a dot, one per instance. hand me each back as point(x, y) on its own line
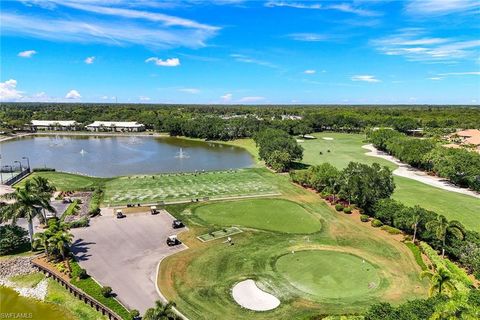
point(469, 138)
point(116, 126)
point(54, 125)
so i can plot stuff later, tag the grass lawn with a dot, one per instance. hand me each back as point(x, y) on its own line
point(185, 186)
point(267, 214)
point(67, 181)
point(199, 280)
point(330, 274)
point(65, 305)
point(348, 147)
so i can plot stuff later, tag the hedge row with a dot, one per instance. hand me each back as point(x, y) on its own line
point(462, 281)
point(417, 254)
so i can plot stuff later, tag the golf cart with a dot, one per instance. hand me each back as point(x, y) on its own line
point(120, 214)
point(176, 224)
point(153, 210)
point(173, 241)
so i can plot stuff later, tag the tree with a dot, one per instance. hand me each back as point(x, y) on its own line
point(444, 228)
point(271, 140)
point(440, 281)
point(43, 188)
point(365, 185)
point(56, 240)
point(27, 203)
point(12, 238)
point(161, 312)
point(416, 218)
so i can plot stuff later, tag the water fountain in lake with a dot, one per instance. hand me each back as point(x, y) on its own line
point(56, 142)
point(182, 155)
point(83, 152)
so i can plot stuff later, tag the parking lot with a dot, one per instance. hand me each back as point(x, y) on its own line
point(124, 254)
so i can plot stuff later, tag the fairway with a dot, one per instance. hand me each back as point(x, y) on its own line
point(348, 147)
point(329, 274)
point(185, 186)
point(66, 181)
point(267, 214)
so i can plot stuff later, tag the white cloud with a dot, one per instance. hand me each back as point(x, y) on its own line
point(73, 94)
point(343, 7)
point(436, 78)
point(309, 71)
point(251, 99)
point(246, 59)
point(470, 73)
point(441, 7)
point(9, 92)
point(27, 53)
point(365, 78)
point(158, 31)
point(416, 46)
point(144, 99)
point(308, 37)
point(171, 62)
point(89, 60)
point(227, 97)
point(190, 90)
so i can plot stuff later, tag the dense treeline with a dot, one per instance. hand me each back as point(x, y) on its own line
point(278, 149)
point(459, 306)
point(230, 122)
point(460, 166)
point(370, 187)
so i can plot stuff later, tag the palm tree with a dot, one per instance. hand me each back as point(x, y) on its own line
point(442, 228)
point(416, 217)
point(41, 238)
point(440, 281)
point(61, 242)
point(43, 187)
point(161, 312)
point(27, 203)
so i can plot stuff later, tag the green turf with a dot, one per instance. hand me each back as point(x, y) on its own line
point(186, 186)
point(267, 214)
point(225, 232)
point(329, 274)
point(348, 147)
point(67, 181)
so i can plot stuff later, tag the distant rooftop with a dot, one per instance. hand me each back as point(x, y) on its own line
point(46, 123)
point(124, 124)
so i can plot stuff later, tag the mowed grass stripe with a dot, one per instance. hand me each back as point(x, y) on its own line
point(267, 214)
point(176, 187)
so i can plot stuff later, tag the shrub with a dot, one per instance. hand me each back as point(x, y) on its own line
point(417, 254)
point(338, 207)
point(134, 314)
point(106, 291)
point(364, 218)
point(347, 210)
point(81, 223)
point(376, 223)
point(43, 169)
point(12, 239)
point(391, 230)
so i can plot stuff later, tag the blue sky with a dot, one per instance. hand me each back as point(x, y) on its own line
point(248, 52)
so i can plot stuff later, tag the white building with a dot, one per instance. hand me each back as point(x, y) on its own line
point(54, 125)
point(116, 126)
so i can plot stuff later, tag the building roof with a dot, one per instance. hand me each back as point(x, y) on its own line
point(469, 133)
point(124, 124)
point(46, 123)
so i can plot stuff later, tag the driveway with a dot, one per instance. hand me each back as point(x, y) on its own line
point(124, 254)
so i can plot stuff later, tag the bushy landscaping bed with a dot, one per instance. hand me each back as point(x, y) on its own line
point(417, 254)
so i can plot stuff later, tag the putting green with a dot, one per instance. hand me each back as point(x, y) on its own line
point(329, 274)
point(267, 214)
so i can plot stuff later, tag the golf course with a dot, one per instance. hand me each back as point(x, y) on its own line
point(253, 224)
point(341, 148)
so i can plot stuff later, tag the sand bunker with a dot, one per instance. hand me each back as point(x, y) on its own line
point(249, 296)
point(327, 138)
point(404, 170)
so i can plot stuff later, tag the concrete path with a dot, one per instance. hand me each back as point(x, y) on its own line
point(124, 254)
point(404, 170)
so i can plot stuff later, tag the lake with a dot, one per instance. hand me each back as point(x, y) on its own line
point(108, 156)
point(13, 306)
